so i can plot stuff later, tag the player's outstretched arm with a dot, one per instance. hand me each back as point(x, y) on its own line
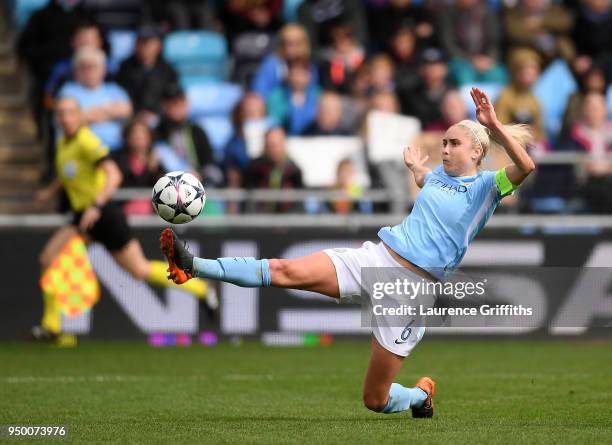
point(522, 165)
point(416, 163)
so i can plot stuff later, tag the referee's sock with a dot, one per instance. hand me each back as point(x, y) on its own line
point(241, 271)
point(158, 276)
point(402, 398)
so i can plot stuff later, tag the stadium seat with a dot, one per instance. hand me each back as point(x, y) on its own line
point(553, 89)
point(213, 99)
point(197, 53)
point(388, 134)
point(122, 43)
point(492, 89)
point(307, 152)
point(219, 130)
point(290, 8)
point(25, 8)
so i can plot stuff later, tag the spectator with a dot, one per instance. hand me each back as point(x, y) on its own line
point(470, 35)
point(341, 59)
point(145, 75)
point(385, 101)
point(116, 14)
point(516, 103)
point(452, 110)
point(401, 14)
point(44, 41)
point(87, 34)
point(274, 170)
point(424, 101)
point(181, 143)
point(541, 26)
point(272, 71)
point(328, 121)
point(105, 105)
point(239, 16)
point(593, 134)
point(402, 48)
point(346, 182)
point(294, 104)
point(250, 110)
point(320, 16)
point(249, 113)
point(187, 14)
point(593, 81)
point(382, 73)
point(139, 165)
point(592, 35)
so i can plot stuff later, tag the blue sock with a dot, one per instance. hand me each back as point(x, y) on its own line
point(401, 398)
point(244, 272)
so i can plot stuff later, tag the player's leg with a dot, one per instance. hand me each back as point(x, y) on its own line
point(132, 259)
point(114, 232)
point(382, 395)
point(314, 272)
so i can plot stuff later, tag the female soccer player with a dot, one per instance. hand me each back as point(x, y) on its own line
point(90, 178)
point(429, 243)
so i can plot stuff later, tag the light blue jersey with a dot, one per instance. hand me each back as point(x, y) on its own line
point(448, 213)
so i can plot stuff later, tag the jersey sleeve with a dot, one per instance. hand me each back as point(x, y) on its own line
point(92, 148)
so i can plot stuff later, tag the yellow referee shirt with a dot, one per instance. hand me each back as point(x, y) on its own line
point(76, 162)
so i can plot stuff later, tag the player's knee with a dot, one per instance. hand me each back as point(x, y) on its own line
point(375, 402)
point(140, 272)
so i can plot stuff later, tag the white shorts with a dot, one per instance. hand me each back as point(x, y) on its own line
point(399, 340)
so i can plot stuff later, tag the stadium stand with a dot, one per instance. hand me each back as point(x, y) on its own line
point(346, 47)
point(198, 54)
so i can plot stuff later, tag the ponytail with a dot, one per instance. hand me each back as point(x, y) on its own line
point(483, 138)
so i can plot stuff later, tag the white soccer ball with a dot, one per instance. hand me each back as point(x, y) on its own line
point(178, 197)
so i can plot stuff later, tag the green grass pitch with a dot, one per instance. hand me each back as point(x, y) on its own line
point(494, 391)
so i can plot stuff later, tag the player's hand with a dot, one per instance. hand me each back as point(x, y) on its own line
point(91, 215)
point(413, 158)
point(485, 113)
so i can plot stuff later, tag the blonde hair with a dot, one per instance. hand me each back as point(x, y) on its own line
point(482, 137)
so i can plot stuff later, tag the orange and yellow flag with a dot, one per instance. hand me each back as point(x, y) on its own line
point(71, 279)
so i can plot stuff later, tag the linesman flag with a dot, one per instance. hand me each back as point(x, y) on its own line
point(71, 279)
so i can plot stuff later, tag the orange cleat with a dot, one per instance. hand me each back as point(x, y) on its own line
point(427, 410)
point(180, 260)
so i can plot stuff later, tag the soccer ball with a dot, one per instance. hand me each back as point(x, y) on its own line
point(178, 197)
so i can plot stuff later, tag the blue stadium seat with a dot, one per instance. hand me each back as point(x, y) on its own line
point(121, 45)
point(290, 8)
point(213, 99)
point(219, 130)
point(492, 90)
point(25, 8)
point(197, 53)
point(553, 89)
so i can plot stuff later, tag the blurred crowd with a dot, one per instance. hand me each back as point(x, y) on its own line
point(317, 68)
